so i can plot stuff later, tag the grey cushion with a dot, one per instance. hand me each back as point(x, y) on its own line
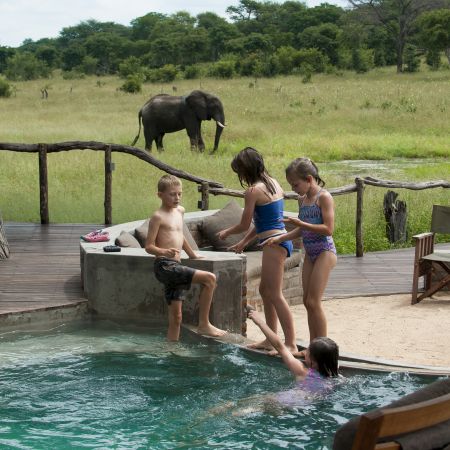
point(127, 240)
point(142, 231)
point(226, 217)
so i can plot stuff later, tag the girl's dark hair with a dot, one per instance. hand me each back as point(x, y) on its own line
point(248, 164)
point(302, 167)
point(325, 352)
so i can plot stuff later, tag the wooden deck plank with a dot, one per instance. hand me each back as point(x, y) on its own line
point(44, 269)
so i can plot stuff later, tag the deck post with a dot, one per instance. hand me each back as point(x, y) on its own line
point(43, 184)
point(203, 204)
point(108, 186)
point(4, 246)
point(359, 216)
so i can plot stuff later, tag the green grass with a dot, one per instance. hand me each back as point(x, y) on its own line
point(398, 123)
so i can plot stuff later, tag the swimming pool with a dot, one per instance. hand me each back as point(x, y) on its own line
point(106, 386)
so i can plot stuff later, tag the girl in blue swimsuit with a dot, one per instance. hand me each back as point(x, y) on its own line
point(315, 224)
point(264, 206)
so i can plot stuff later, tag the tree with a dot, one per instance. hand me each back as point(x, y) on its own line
point(25, 66)
point(434, 31)
point(397, 17)
point(324, 37)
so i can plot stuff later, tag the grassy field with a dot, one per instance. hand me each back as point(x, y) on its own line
point(379, 124)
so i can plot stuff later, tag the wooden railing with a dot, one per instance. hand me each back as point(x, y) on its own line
point(205, 187)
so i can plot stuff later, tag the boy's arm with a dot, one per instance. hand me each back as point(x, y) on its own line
point(150, 243)
point(293, 364)
point(188, 249)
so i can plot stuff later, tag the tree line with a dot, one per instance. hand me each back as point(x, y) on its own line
point(258, 39)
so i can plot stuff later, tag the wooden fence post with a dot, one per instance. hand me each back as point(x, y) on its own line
point(43, 184)
point(359, 216)
point(4, 246)
point(108, 186)
point(203, 204)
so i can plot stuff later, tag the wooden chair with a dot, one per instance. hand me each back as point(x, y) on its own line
point(395, 421)
point(426, 259)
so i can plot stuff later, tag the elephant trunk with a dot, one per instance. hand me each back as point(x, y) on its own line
point(220, 124)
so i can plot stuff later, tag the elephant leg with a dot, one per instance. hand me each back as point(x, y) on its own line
point(159, 142)
point(193, 137)
point(201, 144)
point(148, 140)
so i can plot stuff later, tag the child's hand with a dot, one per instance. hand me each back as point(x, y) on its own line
point(237, 248)
point(255, 316)
point(270, 241)
point(222, 234)
point(195, 256)
point(293, 221)
point(172, 253)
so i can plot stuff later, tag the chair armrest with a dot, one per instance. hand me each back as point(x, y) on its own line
point(422, 235)
point(424, 245)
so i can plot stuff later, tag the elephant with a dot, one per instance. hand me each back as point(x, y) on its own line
point(167, 113)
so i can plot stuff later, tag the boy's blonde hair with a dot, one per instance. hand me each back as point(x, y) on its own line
point(167, 181)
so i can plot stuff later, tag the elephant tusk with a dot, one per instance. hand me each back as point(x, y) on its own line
point(220, 124)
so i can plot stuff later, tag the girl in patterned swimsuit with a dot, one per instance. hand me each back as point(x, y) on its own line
point(315, 224)
point(264, 200)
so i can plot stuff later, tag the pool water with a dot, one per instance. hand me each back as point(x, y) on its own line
point(107, 386)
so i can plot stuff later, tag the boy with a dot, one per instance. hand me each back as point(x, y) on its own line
point(165, 240)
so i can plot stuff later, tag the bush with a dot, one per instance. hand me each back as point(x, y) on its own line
point(311, 57)
point(222, 69)
point(191, 72)
point(164, 74)
point(411, 60)
point(132, 85)
point(433, 59)
point(72, 74)
point(130, 66)
point(25, 66)
point(5, 88)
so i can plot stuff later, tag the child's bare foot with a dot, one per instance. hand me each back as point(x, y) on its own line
point(211, 330)
point(293, 350)
point(263, 345)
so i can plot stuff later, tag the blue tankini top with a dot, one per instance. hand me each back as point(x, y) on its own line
point(269, 216)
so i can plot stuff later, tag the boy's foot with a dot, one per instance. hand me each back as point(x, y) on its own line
point(211, 330)
point(263, 345)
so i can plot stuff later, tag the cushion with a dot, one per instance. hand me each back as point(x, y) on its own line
point(126, 239)
point(226, 217)
point(142, 231)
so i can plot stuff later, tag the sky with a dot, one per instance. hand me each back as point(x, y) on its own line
point(37, 19)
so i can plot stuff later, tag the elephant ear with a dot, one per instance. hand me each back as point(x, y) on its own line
point(196, 100)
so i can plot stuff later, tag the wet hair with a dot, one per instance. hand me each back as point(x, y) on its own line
point(248, 164)
point(167, 181)
point(302, 167)
point(325, 352)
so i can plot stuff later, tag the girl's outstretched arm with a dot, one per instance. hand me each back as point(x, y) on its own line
point(293, 364)
point(247, 215)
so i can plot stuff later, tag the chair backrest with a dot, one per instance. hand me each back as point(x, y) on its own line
point(440, 219)
point(395, 421)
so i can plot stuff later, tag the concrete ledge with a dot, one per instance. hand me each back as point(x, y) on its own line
point(123, 286)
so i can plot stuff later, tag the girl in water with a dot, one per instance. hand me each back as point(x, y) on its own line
point(264, 204)
point(315, 225)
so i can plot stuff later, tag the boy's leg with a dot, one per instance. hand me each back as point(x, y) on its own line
point(318, 280)
point(208, 282)
point(175, 318)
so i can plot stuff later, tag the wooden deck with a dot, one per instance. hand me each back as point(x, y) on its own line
point(43, 271)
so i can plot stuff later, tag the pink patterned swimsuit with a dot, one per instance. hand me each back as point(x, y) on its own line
point(314, 243)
